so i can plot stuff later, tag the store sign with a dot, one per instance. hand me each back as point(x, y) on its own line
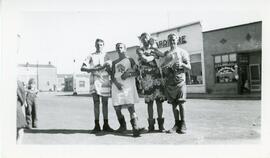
point(226, 73)
point(165, 43)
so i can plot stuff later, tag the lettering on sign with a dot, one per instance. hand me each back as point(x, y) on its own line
point(165, 43)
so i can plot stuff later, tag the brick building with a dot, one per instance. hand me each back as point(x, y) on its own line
point(233, 59)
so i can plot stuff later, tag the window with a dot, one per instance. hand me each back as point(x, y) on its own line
point(217, 59)
point(82, 84)
point(225, 58)
point(225, 68)
point(194, 76)
point(232, 57)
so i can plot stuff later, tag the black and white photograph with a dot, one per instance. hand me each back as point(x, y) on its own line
point(134, 78)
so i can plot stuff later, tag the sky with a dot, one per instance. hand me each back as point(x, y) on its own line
point(62, 34)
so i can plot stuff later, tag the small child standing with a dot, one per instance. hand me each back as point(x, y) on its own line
point(31, 109)
point(124, 92)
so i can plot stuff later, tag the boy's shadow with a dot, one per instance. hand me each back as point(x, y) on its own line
point(56, 131)
point(127, 133)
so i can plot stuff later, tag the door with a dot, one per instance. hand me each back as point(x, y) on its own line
point(255, 77)
point(243, 71)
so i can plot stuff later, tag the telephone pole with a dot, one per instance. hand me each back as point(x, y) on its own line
point(37, 77)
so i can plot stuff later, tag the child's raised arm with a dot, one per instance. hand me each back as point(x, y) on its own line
point(144, 57)
point(158, 52)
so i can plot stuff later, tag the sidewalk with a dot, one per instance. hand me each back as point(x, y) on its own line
point(251, 96)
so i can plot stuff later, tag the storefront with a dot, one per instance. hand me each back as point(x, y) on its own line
point(233, 59)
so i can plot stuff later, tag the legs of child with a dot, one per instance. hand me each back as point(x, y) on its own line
point(96, 101)
point(121, 119)
point(176, 118)
point(151, 120)
point(134, 121)
point(28, 116)
point(160, 119)
point(183, 124)
point(106, 126)
point(34, 114)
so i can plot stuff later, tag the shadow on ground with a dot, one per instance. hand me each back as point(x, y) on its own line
point(127, 133)
point(56, 131)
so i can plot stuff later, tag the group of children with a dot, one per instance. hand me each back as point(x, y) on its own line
point(160, 81)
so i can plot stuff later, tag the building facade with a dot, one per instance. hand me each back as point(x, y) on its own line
point(232, 58)
point(64, 82)
point(81, 83)
point(44, 75)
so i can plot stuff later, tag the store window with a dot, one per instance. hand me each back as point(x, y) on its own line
point(225, 68)
point(82, 84)
point(194, 76)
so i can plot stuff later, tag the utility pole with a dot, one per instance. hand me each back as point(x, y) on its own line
point(18, 43)
point(74, 79)
point(37, 77)
point(168, 19)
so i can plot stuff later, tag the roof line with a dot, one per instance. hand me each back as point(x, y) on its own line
point(36, 65)
point(232, 26)
point(173, 28)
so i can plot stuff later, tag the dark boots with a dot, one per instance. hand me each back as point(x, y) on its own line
point(161, 124)
point(135, 128)
point(151, 123)
point(183, 127)
point(175, 128)
point(97, 127)
point(123, 125)
point(34, 124)
point(106, 127)
point(179, 127)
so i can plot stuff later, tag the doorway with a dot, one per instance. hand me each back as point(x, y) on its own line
point(255, 77)
point(244, 73)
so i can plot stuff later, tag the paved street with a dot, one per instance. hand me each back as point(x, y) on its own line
point(65, 119)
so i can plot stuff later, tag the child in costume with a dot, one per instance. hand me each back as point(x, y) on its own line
point(124, 92)
point(176, 63)
point(151, 81)
point(100, 86)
